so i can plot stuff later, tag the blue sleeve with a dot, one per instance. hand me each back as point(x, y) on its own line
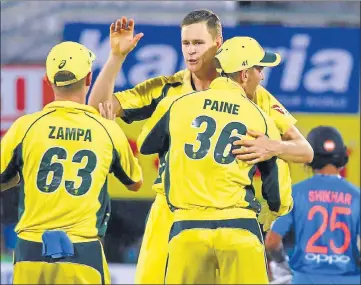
point(355, 210)
point(283, 224)
point(358, 226)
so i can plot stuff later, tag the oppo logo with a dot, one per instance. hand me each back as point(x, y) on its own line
point(330, 259)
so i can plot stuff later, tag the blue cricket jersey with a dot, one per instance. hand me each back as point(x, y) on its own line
point(326, 221)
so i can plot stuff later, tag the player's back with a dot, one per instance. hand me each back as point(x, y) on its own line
point(202, 127)
point(327, 222)
point(65, 154)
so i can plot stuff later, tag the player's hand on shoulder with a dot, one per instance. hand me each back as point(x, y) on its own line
point(106, 111)
point(122, 38)
point(252, 151)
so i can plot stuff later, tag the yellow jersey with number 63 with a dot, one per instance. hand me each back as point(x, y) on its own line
point(196, 131)
point(63, 155)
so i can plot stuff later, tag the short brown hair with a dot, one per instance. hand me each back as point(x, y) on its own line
point(63, 76)
point(212, 20)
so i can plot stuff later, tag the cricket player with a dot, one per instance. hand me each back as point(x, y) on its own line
point(325, 218)
point(201, 37)
point(63, 155)
point(209, 191)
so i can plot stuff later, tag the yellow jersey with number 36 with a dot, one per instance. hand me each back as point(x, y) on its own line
point(64, 154)
point(200, 172)
point(140, 102)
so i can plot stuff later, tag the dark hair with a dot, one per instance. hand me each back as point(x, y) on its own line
point(63, 76)
point(338, 160)
point(212, 20)
point(337, 156)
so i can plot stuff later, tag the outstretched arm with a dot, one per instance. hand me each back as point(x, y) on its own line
point(122, 42)
point(294, 147)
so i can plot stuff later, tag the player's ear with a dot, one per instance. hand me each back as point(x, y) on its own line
point(244, 75)
point(88, 79)
point(219, 41)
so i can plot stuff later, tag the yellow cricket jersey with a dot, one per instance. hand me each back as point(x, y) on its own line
point(273, 108)
point(196, 132)
point(63, 155)
point(140, 102)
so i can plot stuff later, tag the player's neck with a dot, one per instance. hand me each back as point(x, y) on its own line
point(328, 170)
point(243, 87)
point(251, 96)
point(77, 97)
point(202, 80)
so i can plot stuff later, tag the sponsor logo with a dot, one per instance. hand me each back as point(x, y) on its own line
point(324, 258)
point(219, 51)
point(278, 109)
point(62, 64)
point(306, 68)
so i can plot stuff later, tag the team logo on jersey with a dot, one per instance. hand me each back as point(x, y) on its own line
point(329, 145)
point(279, 109)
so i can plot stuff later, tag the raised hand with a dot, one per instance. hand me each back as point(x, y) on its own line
point(122, 39)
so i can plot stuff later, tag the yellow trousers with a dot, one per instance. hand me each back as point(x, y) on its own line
point(198, 249)
point(154, 250)
point(87, 266)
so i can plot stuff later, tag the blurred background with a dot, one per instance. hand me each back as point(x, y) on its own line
point(318, 81)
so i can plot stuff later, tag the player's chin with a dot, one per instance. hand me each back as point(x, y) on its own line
point(193, 67)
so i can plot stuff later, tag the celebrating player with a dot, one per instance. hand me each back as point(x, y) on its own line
point(208, 190)
point(201, 37)
point(325, 218)
point(63, 155)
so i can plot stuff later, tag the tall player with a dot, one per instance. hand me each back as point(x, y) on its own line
point(63, 155)
point(201, 37)
point(207, 189)
point(325, 218)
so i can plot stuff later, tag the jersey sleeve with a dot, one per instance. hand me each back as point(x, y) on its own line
point(140, 102)
point(276, 178)
point(154, 137)
point(269, 104)
point(125, 165)
point(283, 224)
point(10, 154)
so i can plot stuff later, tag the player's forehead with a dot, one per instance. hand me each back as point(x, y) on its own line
point(196, 31)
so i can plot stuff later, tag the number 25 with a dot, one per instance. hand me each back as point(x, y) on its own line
point(310, 247)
